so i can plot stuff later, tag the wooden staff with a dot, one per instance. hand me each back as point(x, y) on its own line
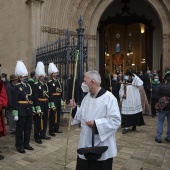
point(68, 132)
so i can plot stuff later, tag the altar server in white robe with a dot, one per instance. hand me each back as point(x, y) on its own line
point(131, 107)
point(98, 109)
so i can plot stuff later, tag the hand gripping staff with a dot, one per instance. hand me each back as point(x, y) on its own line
point(68, 132)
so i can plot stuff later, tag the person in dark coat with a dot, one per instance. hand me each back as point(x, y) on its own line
point(147, 79)
point(41, 104)
point(154, 98)
point(55, 96)
point(115, 87)
point(9, 115)
point(22, 109)
point(164, 90)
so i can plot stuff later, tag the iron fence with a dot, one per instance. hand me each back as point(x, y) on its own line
point(62, 53)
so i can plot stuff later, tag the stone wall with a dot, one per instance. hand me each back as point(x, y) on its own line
point(22, 21)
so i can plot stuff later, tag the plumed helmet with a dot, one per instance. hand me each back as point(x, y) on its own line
point(20, 69)
point(40, 69)
point(52, 68)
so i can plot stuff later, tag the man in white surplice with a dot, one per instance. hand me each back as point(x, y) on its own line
point(131, 107)
point(98, 109)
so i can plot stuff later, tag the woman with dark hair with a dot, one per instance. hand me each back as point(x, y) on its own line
point(131, 107)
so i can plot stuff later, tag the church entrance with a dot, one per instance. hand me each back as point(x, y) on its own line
point(129, 38)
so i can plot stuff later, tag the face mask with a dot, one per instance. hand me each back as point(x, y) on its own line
point(3, 79)
point(155, 80)
point(85, 87)
point(26, 79)
point(57, 76)
point(126, 77)
point(132, 77)
point(115, 78)
point(45, 79)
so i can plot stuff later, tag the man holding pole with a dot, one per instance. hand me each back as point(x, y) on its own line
point(99, 111)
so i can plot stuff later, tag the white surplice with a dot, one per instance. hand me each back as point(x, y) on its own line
point(105, 111)
point(132, 104)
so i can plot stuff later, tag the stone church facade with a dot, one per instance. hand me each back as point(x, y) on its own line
point(28, 24)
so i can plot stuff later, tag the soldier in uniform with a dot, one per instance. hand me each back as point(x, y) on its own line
point(22, 111)
point(41, 105)
point(55, 91)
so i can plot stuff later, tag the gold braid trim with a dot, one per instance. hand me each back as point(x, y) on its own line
point(45, 92)
point(30, 102)
point(59, 89)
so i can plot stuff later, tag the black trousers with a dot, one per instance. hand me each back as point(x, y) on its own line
point(37, 121)
point(37, 126)
point(153, 110)
point(23, 130)
point(51, 121)
point(94, 165)
point(58, 112)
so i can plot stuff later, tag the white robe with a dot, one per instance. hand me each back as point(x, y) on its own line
point(105, 111)
point(132, 104)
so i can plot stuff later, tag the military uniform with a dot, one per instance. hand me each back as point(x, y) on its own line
point(41, 104)
point(22, 103)
point(55, 93)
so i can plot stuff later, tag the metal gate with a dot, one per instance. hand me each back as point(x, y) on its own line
point(62, 53)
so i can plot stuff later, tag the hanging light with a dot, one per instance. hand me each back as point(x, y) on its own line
point(142, 28)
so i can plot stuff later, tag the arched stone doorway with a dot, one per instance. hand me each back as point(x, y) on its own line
point(135, 32)
point(91, 12)
point(164, 41)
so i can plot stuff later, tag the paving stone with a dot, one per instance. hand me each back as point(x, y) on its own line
point(136, 150)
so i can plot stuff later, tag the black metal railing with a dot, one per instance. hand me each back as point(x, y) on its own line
point(62, 53)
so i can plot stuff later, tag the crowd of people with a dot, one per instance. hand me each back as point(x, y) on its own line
point(124, 101)
point(30, 101)
point(138, 94)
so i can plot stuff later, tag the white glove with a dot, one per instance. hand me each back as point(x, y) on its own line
point(62, 103)
point(15, 118)
point(39, 111)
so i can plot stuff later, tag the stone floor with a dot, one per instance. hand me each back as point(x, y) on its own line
point(136, 151)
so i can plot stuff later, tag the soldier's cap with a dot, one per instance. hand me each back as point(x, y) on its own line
point(13, 77)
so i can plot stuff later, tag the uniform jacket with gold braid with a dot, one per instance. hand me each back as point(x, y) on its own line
point(22, 99)
point(55, 92)
point(40, 94)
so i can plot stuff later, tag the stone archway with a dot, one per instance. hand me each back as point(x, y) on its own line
point(162, 10)
point(91, 11)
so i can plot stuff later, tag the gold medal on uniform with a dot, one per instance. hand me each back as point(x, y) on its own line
point(39, 87)
point(20, 88)
point(53, 84)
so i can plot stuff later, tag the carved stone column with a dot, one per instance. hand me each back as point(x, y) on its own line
point(34, 33)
